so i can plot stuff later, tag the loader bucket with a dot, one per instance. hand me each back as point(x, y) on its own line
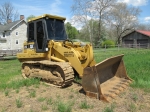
point(106, 79)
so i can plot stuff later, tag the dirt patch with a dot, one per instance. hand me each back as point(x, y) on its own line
point(41, 97)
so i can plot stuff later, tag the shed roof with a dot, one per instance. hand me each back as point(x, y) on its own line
point(144, 32)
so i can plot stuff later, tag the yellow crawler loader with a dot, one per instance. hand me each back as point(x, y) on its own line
point(50, 56)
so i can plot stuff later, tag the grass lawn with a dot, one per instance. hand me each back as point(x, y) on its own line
point(18, 94)
point(9, 72)
point(9, 69)
point(137, 64)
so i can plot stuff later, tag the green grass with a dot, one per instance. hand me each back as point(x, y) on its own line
point(132, 107)
point(137, 64)
point(41, 99)
point(109, 109)
point(135, 97)
point(31, 110)
point(10, 75)
point(3, 110)
point(6, 92)
point(49, 101)
point(16, 84)
point(64, 107)
point(44, 107)
point(17, 90)
point(9, 69)
point(84, 105)
point(138, 68)
point(32, 93)
point(71, 96)
point(18, 103)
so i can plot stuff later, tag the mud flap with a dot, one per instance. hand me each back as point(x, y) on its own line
point(106, 79)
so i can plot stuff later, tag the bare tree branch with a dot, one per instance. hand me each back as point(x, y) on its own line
point(86, 10)
point(143, 27)
point(82, 13)
point(124, 19)
point(102, 7)
point(8, 12)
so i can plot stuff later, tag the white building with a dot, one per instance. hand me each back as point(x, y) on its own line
point(13, 34)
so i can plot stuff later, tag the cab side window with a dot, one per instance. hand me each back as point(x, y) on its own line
point(31, 32)
point(40, 34)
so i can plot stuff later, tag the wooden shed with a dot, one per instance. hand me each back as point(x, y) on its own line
point(137, 38)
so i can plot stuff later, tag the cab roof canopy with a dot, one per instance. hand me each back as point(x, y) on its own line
point(47, 15)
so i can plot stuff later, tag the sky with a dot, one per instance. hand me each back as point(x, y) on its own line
point(63, 7)
point(144, 5)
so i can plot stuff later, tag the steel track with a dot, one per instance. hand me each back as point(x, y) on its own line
point(67, 72)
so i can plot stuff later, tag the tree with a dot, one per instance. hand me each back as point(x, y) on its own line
point(85, 10)
point(123, 18)
point(143, 27)
point(82, 14)
point(93, 24)
point(100, 10)
point(8, 12)
point(85, 34)
point(30, 17)
point(71, 31)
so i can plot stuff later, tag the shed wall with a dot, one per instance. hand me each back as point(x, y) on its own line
point(136, 38)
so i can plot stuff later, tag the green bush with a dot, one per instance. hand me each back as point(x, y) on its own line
point(108, 44)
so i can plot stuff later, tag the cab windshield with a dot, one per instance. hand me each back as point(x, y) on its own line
point(56, 29)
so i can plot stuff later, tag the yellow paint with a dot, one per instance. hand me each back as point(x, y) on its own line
point(49, 16)
point(79, 57)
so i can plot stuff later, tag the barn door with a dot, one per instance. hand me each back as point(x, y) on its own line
point(142, 43)
point(129, 43)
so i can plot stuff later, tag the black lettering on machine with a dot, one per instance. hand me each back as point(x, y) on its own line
point(69, 54)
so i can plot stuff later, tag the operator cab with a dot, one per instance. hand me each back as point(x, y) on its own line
point(44, 28)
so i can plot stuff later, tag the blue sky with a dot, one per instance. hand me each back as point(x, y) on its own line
point(39, 7)
point(63, 7)
point(144, 5)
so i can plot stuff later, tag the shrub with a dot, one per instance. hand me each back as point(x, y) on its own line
point(108, 43)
